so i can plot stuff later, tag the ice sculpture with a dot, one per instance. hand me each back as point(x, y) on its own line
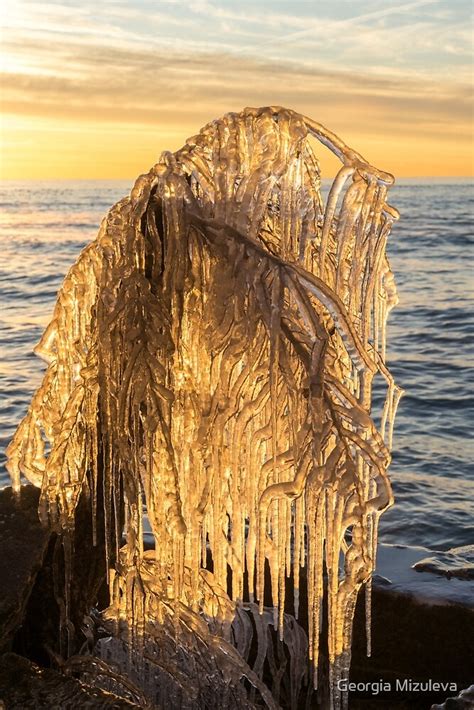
point(210, 364)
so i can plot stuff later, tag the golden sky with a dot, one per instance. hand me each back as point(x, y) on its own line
point(99, 89)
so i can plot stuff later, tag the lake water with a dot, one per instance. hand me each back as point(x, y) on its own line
point(44, 225)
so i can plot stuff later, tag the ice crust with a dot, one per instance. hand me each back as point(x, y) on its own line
point(211, 357)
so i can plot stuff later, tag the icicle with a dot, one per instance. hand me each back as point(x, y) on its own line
point(368, 616)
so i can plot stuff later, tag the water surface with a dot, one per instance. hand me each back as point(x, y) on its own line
point(44, 225)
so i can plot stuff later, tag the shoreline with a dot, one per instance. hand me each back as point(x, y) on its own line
point(420, 621)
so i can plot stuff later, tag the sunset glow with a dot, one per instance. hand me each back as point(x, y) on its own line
point(95, 90)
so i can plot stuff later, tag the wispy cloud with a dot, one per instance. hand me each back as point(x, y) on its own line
point(340, 26)
point(396, 70)
point(153, 88)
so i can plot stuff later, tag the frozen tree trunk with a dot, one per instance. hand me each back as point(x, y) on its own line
point(211, 359)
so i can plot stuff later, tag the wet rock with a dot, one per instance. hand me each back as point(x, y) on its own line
point(24, 685)
point(422, 635)
point(23, 546)
point(401, 565)
point(457, 562)
point(463, 701)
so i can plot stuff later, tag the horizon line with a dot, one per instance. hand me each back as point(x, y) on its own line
point(122, 179)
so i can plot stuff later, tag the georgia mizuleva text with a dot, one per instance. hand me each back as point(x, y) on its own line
point(401, 685)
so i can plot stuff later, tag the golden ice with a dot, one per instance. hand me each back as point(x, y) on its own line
point(210, 364)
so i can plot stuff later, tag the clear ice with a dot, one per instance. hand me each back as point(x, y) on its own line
point(210, 365)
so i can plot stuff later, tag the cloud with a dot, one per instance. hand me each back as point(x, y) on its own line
point(415, 37)
point(354, 21)
point(135, 86)
point(397, 71)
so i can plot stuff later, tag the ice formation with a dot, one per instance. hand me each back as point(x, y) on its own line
point(210, 365)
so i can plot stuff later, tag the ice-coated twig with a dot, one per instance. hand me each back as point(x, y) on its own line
point(212, 355)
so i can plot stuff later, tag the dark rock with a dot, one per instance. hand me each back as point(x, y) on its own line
point(457, 562)
point(24, 685)
point(422, 631)
point(41, 606)
point(23, 545)
point(463, 701)
point(402, 565)
point(422, 623)
point(64, 593)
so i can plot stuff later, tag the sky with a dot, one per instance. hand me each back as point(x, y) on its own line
point(98, 88)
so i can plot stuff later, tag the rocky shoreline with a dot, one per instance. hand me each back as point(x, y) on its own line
point(422, 623)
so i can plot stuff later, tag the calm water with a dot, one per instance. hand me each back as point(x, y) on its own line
point(44, 225)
